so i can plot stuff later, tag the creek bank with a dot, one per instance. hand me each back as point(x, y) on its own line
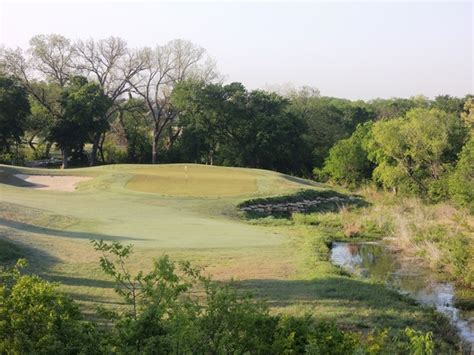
point(373, 260)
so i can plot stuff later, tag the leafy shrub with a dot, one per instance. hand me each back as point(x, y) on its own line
point(438, 190)
point(319, 174)
point(36, 318)
point(420, 343)
point(164, 315)
point(458, 255)
point(113, 154)
point(461, 182)
point(330, 340)
point(348, 162)
point(413, 151)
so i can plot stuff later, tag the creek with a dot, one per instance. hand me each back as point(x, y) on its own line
point(375, 261)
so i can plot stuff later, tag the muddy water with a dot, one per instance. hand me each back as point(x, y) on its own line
point(374, 261)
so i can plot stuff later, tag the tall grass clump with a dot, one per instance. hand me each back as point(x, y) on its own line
point(438, 236)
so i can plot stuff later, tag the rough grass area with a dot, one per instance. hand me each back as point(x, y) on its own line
point(440, 236)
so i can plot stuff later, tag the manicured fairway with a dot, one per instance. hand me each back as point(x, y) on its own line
point(108, 207)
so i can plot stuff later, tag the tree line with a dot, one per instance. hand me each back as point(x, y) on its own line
point(428, 151)
point(76, 90)
point(103, 102)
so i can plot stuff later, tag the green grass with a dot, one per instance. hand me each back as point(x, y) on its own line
point(10, 252)
point(283, 261)
point(194, 181)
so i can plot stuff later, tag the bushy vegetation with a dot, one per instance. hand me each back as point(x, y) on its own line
point(13, 115)
point(461, 180)
point(348, 163)
point(172, 308)
point(426, 153)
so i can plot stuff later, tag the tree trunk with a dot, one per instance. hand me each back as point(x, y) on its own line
point(30, 142)
point(95, 146)
point(48, 149)
point(65, 154)
point(101, 148)
point(154, 148)
point(154, 152)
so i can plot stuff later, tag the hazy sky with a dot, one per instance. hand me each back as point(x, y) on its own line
point(346, 49)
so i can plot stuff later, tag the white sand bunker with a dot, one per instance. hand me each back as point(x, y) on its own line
point(53, 182)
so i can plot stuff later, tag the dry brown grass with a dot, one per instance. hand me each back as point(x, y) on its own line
point(352, 230)
point(425, 233)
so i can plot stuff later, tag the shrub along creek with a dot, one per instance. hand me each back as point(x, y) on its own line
point(374, 260)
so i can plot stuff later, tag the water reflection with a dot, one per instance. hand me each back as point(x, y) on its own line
point(374, 261)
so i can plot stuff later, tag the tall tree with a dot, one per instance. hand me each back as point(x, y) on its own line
point(413, 151)
point(83, 104)
point(53, 56)
point(231, 126)
point(448, 103)
point(348, 162)
point(43, 71)
point(328, 120)
point(164, 67)
point(14, 110)
point(112, 65)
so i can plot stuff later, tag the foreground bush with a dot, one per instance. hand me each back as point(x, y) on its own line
point(164, 314)
point(36, 318)
point(170, 310)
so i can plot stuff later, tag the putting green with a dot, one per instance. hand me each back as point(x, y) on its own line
point(194, 181)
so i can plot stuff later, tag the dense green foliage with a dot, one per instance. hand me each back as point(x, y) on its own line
point(231, 126)
point(14, 110)
point(426, 153)
point(83, 110)
point(412, 152)
point(348, 163)
point(163, 314)
point(461, 181)
point(36, 318)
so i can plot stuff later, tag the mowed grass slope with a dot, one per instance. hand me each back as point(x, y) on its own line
point(53, 229)
point(189, 212)
point(128, 203)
